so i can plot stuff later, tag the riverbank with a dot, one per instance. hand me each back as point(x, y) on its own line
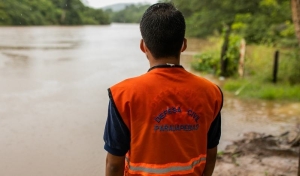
point(259, 154)
point(256, 143)
point(248, 124)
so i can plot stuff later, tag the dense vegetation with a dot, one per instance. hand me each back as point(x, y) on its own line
point(258, 21)
point(265, 23)
point(49, 12)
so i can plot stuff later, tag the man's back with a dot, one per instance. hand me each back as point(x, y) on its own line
point(168, 113)
point(167, 121)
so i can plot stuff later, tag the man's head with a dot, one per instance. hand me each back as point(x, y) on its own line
point(163, 30)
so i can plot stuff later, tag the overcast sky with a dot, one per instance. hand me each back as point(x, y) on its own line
point(102, 3)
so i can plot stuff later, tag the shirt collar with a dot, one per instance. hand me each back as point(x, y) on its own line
point(167, 65)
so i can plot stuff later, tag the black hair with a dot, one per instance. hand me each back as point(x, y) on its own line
point(163, 30)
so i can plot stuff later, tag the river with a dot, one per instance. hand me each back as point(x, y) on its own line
point(53, 97)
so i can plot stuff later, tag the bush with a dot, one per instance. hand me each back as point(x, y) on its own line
point(207, 62)
point(233, 55)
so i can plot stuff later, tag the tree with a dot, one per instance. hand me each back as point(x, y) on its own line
point(296, 17)
point(49, 12)
point(258, 21)
point(207, 16)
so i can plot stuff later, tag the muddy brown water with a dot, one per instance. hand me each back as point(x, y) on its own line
point(53, 97)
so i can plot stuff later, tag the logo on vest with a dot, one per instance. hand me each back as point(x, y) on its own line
point(193, 115)
point(163, 114)
point(176, 127)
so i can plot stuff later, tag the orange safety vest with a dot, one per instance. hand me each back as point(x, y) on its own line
point(168, 112)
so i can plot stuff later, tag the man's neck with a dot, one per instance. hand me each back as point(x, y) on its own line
point(163, 61)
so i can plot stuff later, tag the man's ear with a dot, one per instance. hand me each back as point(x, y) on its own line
point(143, 46)
point(184, 45)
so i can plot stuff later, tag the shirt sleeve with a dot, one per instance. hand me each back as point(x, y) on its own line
point(116, 134)
point(214, 133)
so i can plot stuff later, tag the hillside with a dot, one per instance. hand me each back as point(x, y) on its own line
point(117, 7)
point(50, 12)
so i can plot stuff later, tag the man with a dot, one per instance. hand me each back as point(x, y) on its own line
point(166, 121)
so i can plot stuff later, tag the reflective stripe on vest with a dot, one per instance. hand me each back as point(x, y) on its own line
point(179, 168)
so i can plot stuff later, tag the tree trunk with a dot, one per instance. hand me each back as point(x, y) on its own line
point(296, 17)
point(224, 50)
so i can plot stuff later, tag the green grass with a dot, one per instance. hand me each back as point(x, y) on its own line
point(257, 82)
point(262, 90)
point(258, 69)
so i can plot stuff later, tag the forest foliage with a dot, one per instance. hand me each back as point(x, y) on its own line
point(266, 22)
point(49, 12)
point(258, 21)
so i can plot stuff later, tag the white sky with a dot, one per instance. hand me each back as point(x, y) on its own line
point(102, 3)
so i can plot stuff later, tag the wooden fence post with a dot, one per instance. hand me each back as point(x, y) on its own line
point(242, 58)
point(275, 68)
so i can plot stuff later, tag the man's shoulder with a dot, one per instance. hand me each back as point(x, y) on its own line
point(202, 80)
point(130, 82)
point(205, 84)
